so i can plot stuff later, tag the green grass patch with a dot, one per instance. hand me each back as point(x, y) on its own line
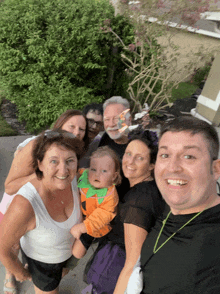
point(5, 128)
point(184, 90)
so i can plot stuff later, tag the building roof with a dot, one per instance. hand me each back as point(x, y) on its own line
point(208, 25)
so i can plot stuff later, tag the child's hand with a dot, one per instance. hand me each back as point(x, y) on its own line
point(78, 230)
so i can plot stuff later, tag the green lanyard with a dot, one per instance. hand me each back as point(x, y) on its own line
point(161, 230)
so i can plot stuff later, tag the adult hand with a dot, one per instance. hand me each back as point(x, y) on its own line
point(78, 230)
point(24, 275)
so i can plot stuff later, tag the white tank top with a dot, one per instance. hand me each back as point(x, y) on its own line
point(50, 241)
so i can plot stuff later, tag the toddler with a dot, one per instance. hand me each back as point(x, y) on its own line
point(99, 198)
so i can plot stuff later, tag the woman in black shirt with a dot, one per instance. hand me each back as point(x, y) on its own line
point(142, 204)
point(137, 212)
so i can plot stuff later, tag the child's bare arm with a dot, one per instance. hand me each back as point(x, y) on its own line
point(78, 249)
point(78, 230)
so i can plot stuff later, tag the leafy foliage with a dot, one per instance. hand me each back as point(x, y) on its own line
point(55, 56)
point(5, 128)
point(201, 74)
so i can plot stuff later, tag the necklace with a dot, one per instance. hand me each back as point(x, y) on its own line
point(161, 230)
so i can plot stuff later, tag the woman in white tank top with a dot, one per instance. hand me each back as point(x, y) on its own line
point(42, 213)
point(21, 171)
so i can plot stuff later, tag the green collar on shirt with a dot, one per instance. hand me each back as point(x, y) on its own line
point(83, 182)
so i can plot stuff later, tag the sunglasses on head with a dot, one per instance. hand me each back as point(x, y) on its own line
point(55, 134)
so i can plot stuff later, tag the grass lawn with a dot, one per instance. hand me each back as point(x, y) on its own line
point(184, 90)
point(5, 128)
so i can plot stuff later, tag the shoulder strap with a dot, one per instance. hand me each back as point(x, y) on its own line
point(218, 188)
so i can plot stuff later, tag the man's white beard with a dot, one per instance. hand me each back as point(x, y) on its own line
point(116, 136)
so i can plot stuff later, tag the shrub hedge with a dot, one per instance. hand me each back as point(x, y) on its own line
point(55, 55)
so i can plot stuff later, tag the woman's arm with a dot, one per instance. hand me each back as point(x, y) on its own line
point(134, 239)
point(18, 220)
point(21, 170)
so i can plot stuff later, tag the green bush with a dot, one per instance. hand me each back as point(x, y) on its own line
point(201, 74)
point(54, 55)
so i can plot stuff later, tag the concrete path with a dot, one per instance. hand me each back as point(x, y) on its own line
point(73, 282)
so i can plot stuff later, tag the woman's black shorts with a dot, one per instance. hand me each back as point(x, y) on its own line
point(46, 276)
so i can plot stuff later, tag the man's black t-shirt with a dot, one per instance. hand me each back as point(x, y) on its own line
point(190, 261)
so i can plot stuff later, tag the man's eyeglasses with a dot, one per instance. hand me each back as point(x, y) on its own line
point(92, 122)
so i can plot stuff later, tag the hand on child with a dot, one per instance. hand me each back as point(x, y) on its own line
point(78, 230)
point(24, 275)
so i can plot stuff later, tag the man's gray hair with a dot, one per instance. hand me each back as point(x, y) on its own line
point(116, 100)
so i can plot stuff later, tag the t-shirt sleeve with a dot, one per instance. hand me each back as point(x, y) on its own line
point(25, 142)
point(139, 207)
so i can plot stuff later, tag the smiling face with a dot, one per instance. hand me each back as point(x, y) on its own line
point(76, 125)
point(59, 167)
point(136, 162)
point(184, 172)
point(102, 172)
point(111, 118)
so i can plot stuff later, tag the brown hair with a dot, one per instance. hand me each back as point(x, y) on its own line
point(149, 138)
point(194, 126)
point(58, 137)
point(65, 117)
point(107, 151)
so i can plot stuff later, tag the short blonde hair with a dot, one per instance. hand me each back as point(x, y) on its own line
point(107, 151)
